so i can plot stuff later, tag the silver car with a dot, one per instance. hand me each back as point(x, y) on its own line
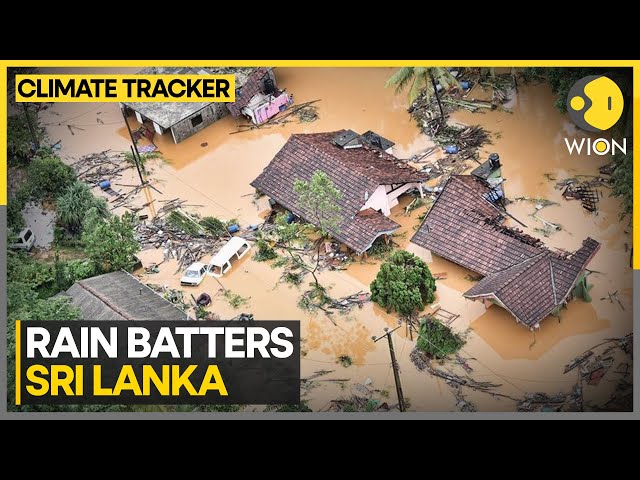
point(25, 240)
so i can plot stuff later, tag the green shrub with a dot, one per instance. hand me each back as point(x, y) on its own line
point(74, 204)
point(19, 141)
point(404, 284)
point(437, 340)
point(264, 252)
point(111, 243)
point(213, 226)
point(48, 177)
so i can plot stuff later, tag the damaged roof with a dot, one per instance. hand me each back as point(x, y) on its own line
point(356, 173)
point(246, 91)
point(521, 273)
point(376, 140)
point(167, 114)
point(120, 296)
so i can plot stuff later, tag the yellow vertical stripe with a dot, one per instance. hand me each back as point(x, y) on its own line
point(3, 134)
point(636, 182)
point(17, 362)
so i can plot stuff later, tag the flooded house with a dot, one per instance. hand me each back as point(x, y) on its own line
point(369, 179)
point(121, 296)
point(520, 273)
point(257, 98)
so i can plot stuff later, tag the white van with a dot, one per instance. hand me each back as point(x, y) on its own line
point(221, 261)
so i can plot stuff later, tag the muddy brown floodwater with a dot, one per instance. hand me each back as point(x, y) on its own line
point(213, 169)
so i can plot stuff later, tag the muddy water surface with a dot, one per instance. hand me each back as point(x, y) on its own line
point(213, 169)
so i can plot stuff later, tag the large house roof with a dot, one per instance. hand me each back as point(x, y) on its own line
point(167, 114)
point(521, 273)
point(120, 296)
point(356, 173)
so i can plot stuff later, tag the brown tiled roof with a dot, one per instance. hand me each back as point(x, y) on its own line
point(521, 273)
point(250, 88)
point(463, 227)
point(532, 289)
point(355, 172)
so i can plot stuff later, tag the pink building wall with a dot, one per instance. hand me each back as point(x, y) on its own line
point(266, 112)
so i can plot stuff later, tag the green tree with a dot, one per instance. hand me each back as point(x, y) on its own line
point(436, 339)
point(318, 198)
point(111, 243)
point(422, 79)
point(404, 284)
point(19, 140)
point(48, 176)
point(74, 203)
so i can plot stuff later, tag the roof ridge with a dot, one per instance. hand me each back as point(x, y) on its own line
point(553, 281)
point(535, 259)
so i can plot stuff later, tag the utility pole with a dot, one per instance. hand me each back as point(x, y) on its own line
point(34, 137)
point(136, 154)
point(394, 364)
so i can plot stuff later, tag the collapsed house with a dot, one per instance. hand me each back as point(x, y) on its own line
point(369, 179)
point(120, 296)
point(257, 98)
point(466, 226)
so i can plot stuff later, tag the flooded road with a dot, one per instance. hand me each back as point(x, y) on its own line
point(213, 169)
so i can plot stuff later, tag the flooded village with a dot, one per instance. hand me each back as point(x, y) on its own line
point(526, 243)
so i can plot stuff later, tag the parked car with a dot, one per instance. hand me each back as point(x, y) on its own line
point(24, 241)
point(194, 275)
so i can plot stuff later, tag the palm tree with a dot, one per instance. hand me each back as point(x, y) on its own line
point(74, 203)
point(423, 79)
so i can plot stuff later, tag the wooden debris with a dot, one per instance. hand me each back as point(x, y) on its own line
point(96, 167)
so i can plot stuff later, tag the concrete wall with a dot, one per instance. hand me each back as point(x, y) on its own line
point(420, 252)
point(210, 114)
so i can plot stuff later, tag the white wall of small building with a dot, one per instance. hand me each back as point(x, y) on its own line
point(420, 252)
point(384, 199)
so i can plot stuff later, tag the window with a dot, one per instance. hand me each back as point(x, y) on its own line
point(27, 235)
point(197, 120)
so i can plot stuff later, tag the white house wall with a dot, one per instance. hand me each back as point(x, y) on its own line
point(384, 201)
point(393, 196)
point(378, 201)
point(420, 252)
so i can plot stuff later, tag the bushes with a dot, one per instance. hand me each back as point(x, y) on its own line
point(75, 202)
point(19, 142)
point(265, 251)
point(111, 243)
point(213, 226)
point(437, 340)
point(404, 284)
point(48, 177)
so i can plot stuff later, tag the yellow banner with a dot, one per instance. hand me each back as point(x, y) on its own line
point(125, 88)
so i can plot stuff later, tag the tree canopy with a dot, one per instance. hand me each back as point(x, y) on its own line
point(111, 243)
point(404, 284)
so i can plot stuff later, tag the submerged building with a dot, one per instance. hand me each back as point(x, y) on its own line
point(466, 226)
point(121, 296)
point(257, 98)
point(369, 179)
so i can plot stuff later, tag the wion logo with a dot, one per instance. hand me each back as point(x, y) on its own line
point(595, 103)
